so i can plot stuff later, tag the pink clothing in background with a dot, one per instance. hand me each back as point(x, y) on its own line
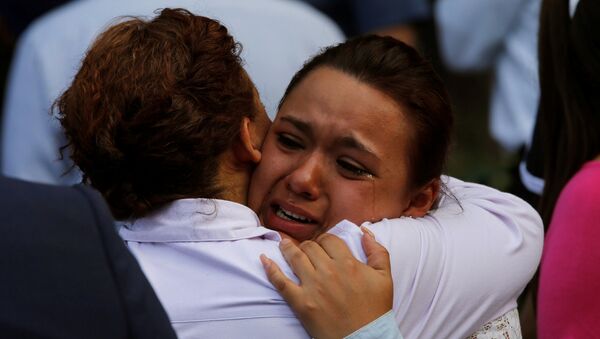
point(569, 289)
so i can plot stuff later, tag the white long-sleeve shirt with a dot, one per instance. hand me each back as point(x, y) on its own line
point(454, 270)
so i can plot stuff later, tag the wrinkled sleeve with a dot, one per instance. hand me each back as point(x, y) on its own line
point(470, 258)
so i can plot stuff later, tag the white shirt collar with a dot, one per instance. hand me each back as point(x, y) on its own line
point(192, 220)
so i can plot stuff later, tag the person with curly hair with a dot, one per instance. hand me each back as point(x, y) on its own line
point(163, 120)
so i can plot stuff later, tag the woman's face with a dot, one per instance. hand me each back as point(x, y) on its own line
point(337, 150)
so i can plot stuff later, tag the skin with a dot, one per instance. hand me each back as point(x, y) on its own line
point(362, 293)
point(327, 158)
point(237, 163)
point(324, 312)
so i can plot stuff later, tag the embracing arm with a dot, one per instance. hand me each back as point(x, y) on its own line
point(469, 258)
point(338, 295)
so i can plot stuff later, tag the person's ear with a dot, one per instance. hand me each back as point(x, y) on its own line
point(422, 201)
point(246, 148)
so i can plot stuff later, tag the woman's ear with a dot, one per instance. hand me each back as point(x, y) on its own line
point(247, 149)
point(423, 199)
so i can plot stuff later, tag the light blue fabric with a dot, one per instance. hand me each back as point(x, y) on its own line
point(277, 38)
point(384, 327)
point(502, 34)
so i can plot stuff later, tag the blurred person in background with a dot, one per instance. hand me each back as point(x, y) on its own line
point(18, 14)
point(15, 15)
point(474, 35)
point(383, 17)
point(278, 36)
point(568, 127)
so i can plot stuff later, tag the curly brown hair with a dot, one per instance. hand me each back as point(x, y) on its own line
point(153, 107)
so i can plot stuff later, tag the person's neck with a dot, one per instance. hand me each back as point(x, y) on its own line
point(235, 195)
point(234, 182)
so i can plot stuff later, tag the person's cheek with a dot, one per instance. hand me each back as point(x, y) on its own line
point(339, 200)
point(264, 181)
point(354, 201)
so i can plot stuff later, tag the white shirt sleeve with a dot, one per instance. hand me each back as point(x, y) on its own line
point(462, 265)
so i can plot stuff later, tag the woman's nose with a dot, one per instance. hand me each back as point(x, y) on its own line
point(305, 180)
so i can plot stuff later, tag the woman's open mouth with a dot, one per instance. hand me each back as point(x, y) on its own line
point(288, 215)
point(291, 220)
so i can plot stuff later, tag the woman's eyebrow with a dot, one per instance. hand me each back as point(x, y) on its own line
point(351, 142)
point(303, 126)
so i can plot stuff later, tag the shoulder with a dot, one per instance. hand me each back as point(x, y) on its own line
point(17, 194)
point(297, 10)
point(585, 183)
point(466, 248)
point(485, 201)
point(578, 202)
point(56, 211)
point(296, 20)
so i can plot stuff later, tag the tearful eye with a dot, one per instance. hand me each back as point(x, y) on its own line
point(289, 142)
point(353, 169)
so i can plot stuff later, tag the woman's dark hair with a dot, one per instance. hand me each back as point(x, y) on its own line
point(397, 70)
point(153, 107)
point(569, 111)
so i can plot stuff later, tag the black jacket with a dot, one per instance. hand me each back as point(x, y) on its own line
point(64, 271)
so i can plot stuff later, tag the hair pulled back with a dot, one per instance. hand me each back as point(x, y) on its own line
point(398, 71)
point(152, 108)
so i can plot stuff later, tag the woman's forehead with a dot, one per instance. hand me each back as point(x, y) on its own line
point(339, 93)
point(328, 98)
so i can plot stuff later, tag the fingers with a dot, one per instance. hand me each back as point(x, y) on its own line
point(297, 259)
point(316, 254)
point(335, 247)
point(377, 256)
point(286, 287)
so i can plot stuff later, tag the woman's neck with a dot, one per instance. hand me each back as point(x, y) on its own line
point(234, 181)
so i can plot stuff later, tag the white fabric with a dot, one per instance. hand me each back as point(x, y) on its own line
point(573, 7)
point(459, 268)
point(478, 34)
point(454, 270)
point(531, 182)
point(507, 326)
point(202, 258)
point(277, 37)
